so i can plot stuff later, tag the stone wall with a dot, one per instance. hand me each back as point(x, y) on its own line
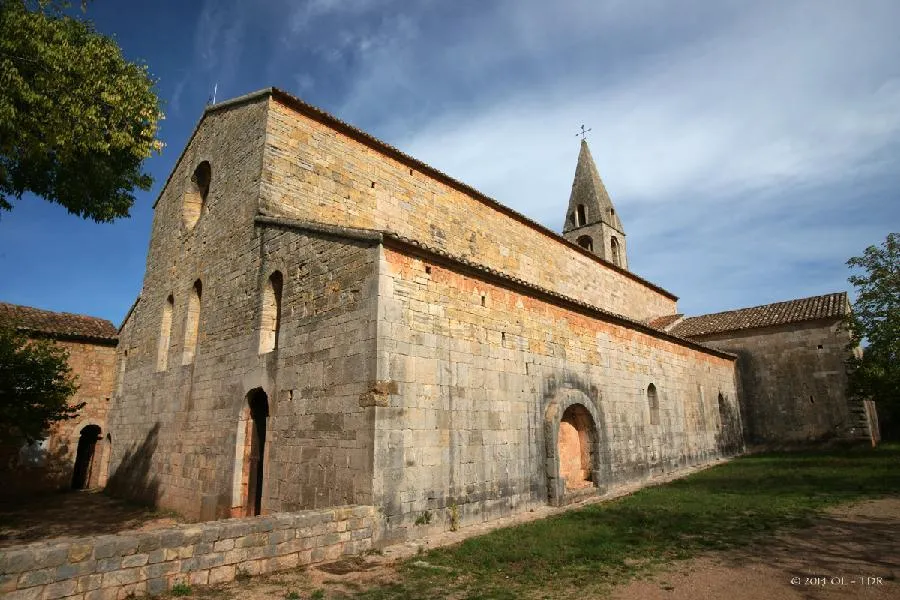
point(794, 382)
point(173, 429)
point(321, 432)
point(194, 453)
point(115, 567)
point(313, 172)
point(48, 465)
point(476, 378)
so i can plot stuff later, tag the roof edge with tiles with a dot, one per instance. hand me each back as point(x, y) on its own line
point(58, 325)
point(814, 308)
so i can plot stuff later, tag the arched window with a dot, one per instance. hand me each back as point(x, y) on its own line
point(653, 402)
point(195, 197)
point(586, 242)
point(580, 215)
point(614, 247)
point(192, 324)
point(723, 411)
point(165, 333)
point(270, 319)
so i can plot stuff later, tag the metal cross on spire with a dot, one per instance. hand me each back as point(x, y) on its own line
point(583, 133)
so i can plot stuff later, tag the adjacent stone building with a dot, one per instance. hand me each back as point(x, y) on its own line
point(792, 362)
point(325, 320)
point(75, 452)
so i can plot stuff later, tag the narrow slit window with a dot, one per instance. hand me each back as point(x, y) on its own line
point(270, 319)
point(165, 333)
point(580, 215)
point(192, 324)
point(653, 402)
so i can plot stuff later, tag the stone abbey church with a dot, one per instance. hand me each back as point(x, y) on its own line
point(327, 321)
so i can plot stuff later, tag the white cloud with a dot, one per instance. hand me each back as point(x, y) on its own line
point(750, 108)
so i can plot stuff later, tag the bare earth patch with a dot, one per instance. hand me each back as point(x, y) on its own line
point(74, 514)
point(842, 556)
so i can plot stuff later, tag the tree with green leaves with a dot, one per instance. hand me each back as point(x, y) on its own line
point(77, 120)
point(876, 319)
point(36, 384)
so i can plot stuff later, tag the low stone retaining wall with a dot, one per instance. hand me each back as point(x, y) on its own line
point(112, 567)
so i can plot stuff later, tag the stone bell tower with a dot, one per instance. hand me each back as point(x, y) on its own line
point(591, 220)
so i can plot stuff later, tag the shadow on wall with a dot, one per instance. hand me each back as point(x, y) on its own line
point(729, 439)
point(34, 468)
point(132, 478)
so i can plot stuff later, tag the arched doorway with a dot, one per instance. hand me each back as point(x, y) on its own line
point(255, 453)
point(574, 448)
point(84, 475)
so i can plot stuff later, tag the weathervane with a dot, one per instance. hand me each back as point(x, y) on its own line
point(583, 133)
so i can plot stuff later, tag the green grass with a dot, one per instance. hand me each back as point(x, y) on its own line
point(592, 548)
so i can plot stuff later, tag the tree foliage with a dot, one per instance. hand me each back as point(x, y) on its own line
point(77, 119)
point(876, 318)
point(35, 386)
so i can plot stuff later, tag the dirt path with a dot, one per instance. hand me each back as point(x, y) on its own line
point(853, 552)
point(833, 559)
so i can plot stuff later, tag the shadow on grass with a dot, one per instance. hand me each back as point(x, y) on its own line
point(863, 545)
point(725, 507)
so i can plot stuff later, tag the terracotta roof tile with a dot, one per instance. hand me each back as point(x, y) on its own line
point(664, 322)
point(780, 313)
point(56, 324)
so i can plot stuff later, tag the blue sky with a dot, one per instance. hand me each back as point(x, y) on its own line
point(750, 147)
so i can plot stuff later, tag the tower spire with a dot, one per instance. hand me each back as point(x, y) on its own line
point(591, 219)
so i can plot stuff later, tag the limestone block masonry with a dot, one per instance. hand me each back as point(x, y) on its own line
point(478, 377)
point(312, 172)
point(794, 382)
point(115, 567)
point(343, 325)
